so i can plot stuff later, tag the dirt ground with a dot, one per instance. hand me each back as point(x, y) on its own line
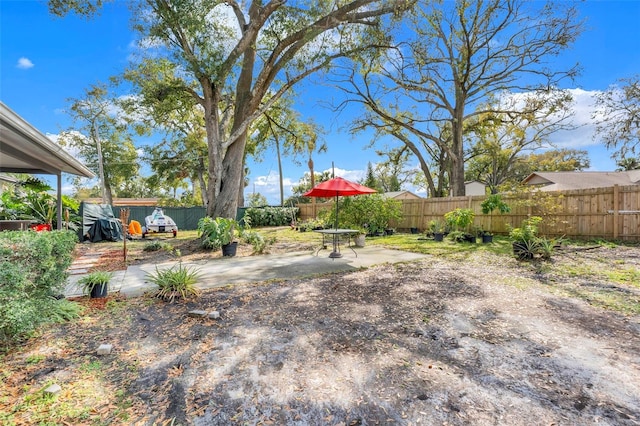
point(475, 339)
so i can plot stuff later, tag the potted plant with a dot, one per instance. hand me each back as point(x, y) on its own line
point(359, 238)
point(96, 284)
point(460, 221)
point(489, 205)
point(485, 236)
point(218, 233)
point(437, 229)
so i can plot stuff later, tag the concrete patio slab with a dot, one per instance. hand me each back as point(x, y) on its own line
point(221, 272)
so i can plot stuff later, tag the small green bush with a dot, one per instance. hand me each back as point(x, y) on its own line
point(176, 282)
point(526, 242)
point(157, 245)
point(459, 219)
point(311, 224)
point(215, 233)
point(64, 310)
point(259, 243)
point(33, 269)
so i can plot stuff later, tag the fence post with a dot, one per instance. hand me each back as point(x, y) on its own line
point(616, 194)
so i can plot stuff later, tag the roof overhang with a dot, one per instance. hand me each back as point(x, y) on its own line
point(24, 149)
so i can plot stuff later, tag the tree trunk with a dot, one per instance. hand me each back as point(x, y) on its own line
point(226, 203)
point(202, 183)
point(214, 145)
point(106, 199)
point(457, 153)
point(108, 195)
point(280, 171)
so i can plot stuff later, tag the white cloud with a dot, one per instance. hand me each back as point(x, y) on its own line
point(583, 135)
point(269, 185)
point(24, 63)
point(71, 150)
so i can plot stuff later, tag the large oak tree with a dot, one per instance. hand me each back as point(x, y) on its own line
point(618, 117)
point(238, 58)
point(457, 61)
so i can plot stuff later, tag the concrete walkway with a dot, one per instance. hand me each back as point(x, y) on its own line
point(220, 272)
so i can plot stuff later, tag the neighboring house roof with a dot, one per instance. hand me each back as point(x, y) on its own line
point(401, 195)
point(559, 181)
point(24, 149)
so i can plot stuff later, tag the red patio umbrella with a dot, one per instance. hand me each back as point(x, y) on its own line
point(337, 187)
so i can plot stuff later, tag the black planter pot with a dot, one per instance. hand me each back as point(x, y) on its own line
point(388, 231)
point(99, 291)
point(414, 231)
point(468, 238)
point(486, 239)
point(230, 249)
point(438, 236)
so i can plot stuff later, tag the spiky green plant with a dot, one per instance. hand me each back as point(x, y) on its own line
point(176, 282)
point(94, 279)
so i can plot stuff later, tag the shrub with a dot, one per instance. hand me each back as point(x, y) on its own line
point(64, 310)
point(494, 202)
point(33, 269)
point(176, 282)
point(157, 245)
point(215, 233)
point(372, 212)
point(436, 227)
point(271, 216)
point(258, 242)
point(526, 242)
point(311, 224)
point(459, 219)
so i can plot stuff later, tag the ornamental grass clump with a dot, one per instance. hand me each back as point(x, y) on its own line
point(176, 282)
point(96, 283)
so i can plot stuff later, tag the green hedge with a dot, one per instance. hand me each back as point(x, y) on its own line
point(33, 269)
point(271, 216)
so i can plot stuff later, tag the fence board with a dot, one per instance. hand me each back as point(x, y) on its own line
point(608, 213)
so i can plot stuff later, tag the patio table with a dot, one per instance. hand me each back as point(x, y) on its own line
point(335, 235)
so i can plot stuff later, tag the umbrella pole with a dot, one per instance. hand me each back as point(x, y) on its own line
point(336, 221)
point(335, 253)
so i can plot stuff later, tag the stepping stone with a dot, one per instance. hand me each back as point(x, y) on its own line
point(104, 349)
point(196, 314)
point(53, 389)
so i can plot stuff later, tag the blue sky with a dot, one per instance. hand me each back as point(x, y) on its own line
point(46, 60)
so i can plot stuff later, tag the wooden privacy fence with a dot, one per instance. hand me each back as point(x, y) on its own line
point(607, 213)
